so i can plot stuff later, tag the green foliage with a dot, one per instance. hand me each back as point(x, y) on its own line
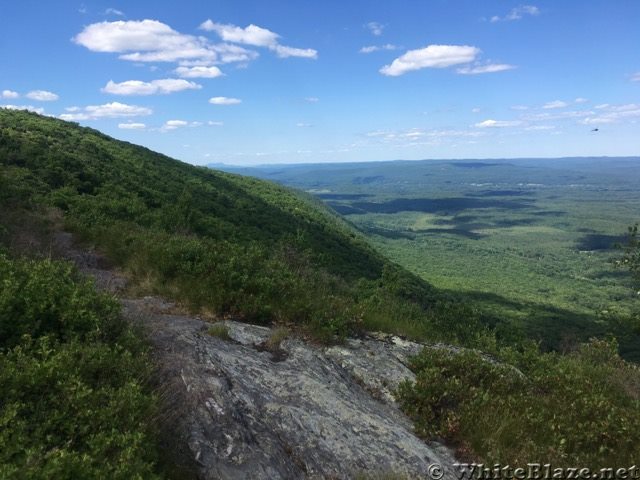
point(277, 336)
point(527, 243)
point(630, 259)
point(567, 410)
point(43, 298)
point(74, 401)
point(212, 240)
point(220, 331)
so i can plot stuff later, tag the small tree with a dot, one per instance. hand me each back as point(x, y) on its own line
point(630, 258)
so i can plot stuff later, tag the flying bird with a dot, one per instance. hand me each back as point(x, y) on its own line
point(595, 130)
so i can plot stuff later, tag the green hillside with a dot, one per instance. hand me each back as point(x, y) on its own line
point(75, 390)
point(213, 241)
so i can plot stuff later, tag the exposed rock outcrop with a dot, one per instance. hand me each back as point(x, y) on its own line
point(249, 415)
point(298, 411)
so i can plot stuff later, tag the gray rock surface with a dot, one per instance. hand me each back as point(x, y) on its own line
point(243, 411)
point(251, 416)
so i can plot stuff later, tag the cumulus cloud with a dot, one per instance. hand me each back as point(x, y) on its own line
point(488, 68)
point(251, 35)
point(581, 100)
point(433, 56)
point(212, 123)
point(138, 87)
point(224, 101)
point(517, 13)
point(312, 99)
point(375, 28)
point(258, 37)
point(635, 77)
point(9, 94)
point(555, 104)
point(29, 108)
point(42, 96)
point(132, 126)
point(498, 123)
point(377, 48)
point(154, 41)
point(199, 72)
point(108, 110)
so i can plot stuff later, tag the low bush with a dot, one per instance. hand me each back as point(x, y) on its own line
point(74, 398)
point(567, 410)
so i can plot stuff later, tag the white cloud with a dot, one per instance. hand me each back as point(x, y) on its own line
point(258, 37)
point(138, 87)
point(518, 13)
point(132, 126)
point(489, 68)
point(613, 114)
point(154, 41)
point(312, 99)
point(108, 110)
point(414, 135)
point(29, 108)
point(519, 107)
point(635, 77)
point(173, 125)
point(251, 35)
point(475, 110)
point(9, 94)
point(498, 123)
point(212, 123)
point(176, 124)
point(303, 125)
point(540, 127)
point(42, 96)
point(377, 48)
point(224, 101)
point(113, 11)
point(581, 100)
point(597, 120)
point(375, 28)
point(199, 72)
point(546, 116)
point(286, 52)
point(433, 56)
point(555, 104)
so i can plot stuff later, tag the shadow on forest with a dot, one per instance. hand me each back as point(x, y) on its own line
point(596, 241)
point(442, 206)
point(342, 196)
point(500, 193)
point(556, 329)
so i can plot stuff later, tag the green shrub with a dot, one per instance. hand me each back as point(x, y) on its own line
point(42, 297)
point(578, 409)
point(74, 401)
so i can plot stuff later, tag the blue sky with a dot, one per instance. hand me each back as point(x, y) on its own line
point(254, 82)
